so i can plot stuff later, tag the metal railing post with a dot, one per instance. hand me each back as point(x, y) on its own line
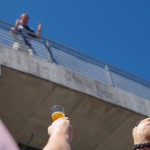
point(48, 47)
point(109, 74)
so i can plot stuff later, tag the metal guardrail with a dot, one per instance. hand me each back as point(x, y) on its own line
point(48, 50)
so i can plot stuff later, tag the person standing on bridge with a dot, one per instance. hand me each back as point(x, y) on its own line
point(141, 135)
point(22, 28)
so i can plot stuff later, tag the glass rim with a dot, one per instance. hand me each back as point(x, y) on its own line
point(56, 108)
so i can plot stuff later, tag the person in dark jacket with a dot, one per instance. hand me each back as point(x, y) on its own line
point(22, 28)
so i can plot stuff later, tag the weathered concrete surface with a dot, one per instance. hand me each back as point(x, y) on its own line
point(99, 113)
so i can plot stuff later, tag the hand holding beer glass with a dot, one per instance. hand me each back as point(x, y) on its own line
point(57, 111)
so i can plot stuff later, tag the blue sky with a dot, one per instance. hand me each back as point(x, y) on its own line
point(114, 31)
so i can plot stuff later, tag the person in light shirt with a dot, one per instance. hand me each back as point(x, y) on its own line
point(7, 142)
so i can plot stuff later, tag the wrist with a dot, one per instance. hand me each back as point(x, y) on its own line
point(60, 134)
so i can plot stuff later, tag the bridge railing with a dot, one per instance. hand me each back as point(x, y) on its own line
point(53, 52)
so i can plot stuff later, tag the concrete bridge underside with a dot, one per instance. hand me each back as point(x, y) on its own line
point(103, 116)
point(24, 108)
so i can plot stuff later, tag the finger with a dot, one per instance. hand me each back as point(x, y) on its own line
point(66, 118)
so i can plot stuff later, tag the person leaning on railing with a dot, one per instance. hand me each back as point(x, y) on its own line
point(141, 135)
point(23, 28)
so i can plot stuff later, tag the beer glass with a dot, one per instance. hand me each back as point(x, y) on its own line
point(57, 111)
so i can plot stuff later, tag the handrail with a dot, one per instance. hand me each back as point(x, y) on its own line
point(130, 75)
point(51, 51)
point(77, 52)
point(127, 74)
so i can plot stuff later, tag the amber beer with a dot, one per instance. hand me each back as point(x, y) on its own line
point(57, 115)
point(57, 111)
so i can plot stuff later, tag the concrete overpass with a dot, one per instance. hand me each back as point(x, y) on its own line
point(102, 115)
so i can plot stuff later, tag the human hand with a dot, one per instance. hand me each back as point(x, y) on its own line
point(141, 133)
point(40, 27)
point(61, 127)
point(18, 22)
